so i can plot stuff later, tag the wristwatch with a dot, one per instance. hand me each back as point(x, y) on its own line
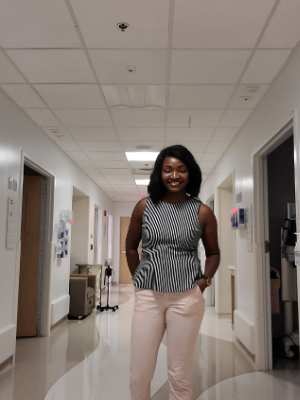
point(208, 280)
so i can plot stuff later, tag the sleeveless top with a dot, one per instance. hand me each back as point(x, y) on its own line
point(170, 236)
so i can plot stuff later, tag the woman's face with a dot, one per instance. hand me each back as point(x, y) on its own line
point(174, 175)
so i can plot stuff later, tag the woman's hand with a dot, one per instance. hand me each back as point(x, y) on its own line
point(202, 284)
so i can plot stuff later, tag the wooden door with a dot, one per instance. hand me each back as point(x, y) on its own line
point(125, 274)
point(29, 265)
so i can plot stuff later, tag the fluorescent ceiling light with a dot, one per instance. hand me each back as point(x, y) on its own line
point(142, 155)
point(142, 182)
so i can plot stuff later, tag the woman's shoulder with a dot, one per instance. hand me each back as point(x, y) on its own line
point(140, 207)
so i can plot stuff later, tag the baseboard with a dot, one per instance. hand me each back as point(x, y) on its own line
point(244, 331)
point(59, 309)
point(6, 365)
point(7, 342)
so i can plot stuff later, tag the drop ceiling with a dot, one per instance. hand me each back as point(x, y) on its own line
point(188, 72)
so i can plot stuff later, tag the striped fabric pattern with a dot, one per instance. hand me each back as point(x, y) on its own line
point(170, 236)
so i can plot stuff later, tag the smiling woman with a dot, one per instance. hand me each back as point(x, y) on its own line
point(168, 279)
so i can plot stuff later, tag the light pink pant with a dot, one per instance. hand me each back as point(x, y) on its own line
point(180, 314)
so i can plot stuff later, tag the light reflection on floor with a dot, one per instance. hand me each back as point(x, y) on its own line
point(97, 363)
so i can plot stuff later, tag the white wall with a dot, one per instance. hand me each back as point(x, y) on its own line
point(17, 133)
point(121, 209)
point(272, 114)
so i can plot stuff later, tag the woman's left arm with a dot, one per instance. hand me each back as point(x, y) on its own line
point(209, 238)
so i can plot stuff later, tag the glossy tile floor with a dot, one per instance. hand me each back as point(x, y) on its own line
point(89, 360)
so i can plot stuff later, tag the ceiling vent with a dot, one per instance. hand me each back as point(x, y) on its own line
point(252, 89)
point(123, 26)
point(135, 96)
point(143, 147)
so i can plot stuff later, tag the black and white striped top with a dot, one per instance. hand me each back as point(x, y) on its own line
point(170, 236)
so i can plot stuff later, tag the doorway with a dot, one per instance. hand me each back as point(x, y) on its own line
point(281, 225)
point(225, 203)
point(80, 230)
point(33, 287)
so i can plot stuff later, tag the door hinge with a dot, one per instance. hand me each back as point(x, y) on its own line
point(267, 246)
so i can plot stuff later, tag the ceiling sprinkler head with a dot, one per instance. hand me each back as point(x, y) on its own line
point(123, 26)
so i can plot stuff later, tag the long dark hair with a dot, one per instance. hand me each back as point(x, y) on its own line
point(156, 188)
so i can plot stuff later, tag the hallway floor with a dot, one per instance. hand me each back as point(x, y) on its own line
point(89, 360)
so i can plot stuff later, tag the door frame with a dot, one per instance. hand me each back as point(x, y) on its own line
point(49, 245)
point(263, 327)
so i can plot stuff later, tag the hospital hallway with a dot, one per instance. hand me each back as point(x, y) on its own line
point(89, 360)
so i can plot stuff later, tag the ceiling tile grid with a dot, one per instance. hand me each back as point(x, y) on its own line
point(192, 75)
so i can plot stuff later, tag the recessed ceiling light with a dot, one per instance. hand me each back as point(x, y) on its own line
point(143, 147)
point(142, 182)
point(142, 155)
point(123, 26)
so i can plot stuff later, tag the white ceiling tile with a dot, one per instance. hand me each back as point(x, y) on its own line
point(53, 66)
point(225, 133)
point(211, 156)
point(150, 66)
point(197, 156)
point(68, 145)
point(83, 117)
point(264, 66)
point(57, 133)
point(207, 66)
point(138, 118)
point(103, 156)
point(71, 96)
point(245, 99)
point(97, 177)
point(284, 29)
point(123, 182)
point(217, 146)
point(93, 171)
point(116, 174)
point(148, 22)
point(126, 189)
point(198, 118)
point(131, 146)
point(42, 117)
point(207, 164)
point(196, 147)
point(128, 197)
point(36, 24)
point(219, 24)
point(115, 198)
point(199, 96)
point(186, 134)
point(92, 133)
point(77, 155)
point(85, 164)
point(111, 164)
point(100, 146)
point(8, 72)
point(135, 96)
point(23, 95)
point(234, 118)
point(100, 181)
point(141, 164)
point(140, 133)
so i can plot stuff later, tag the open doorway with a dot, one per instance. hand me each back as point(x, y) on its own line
point(225, 203)
point(33, 295)
point(274, 211)
point(80, 230)
point(283, 275)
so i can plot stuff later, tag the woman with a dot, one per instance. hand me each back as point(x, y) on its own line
point(168, 281)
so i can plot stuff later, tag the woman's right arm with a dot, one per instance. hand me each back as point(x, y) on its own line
point(134, 235)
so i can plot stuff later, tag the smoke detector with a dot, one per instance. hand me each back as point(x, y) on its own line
point(123, 26)
point(246, 98)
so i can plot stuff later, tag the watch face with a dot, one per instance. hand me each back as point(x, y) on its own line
point(208, 281)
